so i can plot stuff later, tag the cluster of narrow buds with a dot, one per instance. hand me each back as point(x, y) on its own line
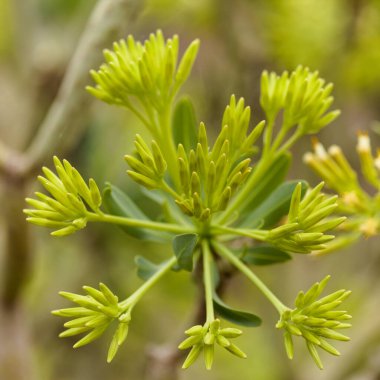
point(333, 167)
point(96, 311)
point(203, 338)
point(70, 203)
point(143, 72)
point(304, 97)
point(149, 165)
point(206, 178)
point(305, 229)
point(315, 320)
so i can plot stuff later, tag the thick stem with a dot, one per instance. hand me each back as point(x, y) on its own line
point(167, 227)
point(207, 280)
point(227, 254)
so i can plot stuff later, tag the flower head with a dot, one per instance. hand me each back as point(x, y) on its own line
point(203, 338)
point(315, 320)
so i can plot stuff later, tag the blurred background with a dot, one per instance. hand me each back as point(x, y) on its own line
point(239, 39)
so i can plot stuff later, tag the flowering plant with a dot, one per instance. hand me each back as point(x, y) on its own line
point(212, 194)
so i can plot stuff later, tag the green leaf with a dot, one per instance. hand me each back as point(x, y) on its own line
point(146, 268)
point(274, 176)
point(184, 124)
point(238, 317)
point(171, 212)
point(264, 255)
point(183, 247)
point(119, 203)
point(275, 206)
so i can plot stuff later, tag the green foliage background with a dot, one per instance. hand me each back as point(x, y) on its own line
point(239, 39)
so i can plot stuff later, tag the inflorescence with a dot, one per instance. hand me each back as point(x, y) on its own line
point(212, 193)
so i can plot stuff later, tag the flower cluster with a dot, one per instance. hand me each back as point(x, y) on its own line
point(203, 338)
point(305, 229)
point(145, 72)
point(362, 208)
point(148, 165)
point(315, 320)
point(96, 311)
point(70, 203)
point(303, 96)
point(210, 195)
point(209, 179)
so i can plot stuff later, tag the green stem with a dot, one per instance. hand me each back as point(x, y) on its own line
point(167, 145)
point(106, 218)
point(169, 190)
point(207, 279)
point(280, 137)
point(140, 116)
point(290, 142)
point(254, 234)
point(227, 254)
point(139, 293)
point(268, 136)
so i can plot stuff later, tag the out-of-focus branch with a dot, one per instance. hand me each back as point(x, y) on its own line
point(62, 123)
point(60, 129)
point(17, 258)
point(65, 118)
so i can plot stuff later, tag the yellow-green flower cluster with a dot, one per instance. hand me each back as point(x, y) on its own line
point(303, 96)
point(315, 320)
point(209, 179)
point(305, 229)
point(149, 165)
point(203, 338)
point(71, 199)
point(333, 167)
point(145, 72)
point(94, 314)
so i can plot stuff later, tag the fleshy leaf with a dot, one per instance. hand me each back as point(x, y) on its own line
point(183, 247)
point(238, 317)
point(273, 208)
point(264, 255)
point(146, 268)
point(274, 176)
point(120, 204)
point(185, 124)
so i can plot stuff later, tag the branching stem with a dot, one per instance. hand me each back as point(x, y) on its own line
point(147, 285)
point(106, 218)
point(251, 233)
point(227, 254)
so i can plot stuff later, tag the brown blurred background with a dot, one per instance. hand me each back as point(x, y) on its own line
point(39, 40)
